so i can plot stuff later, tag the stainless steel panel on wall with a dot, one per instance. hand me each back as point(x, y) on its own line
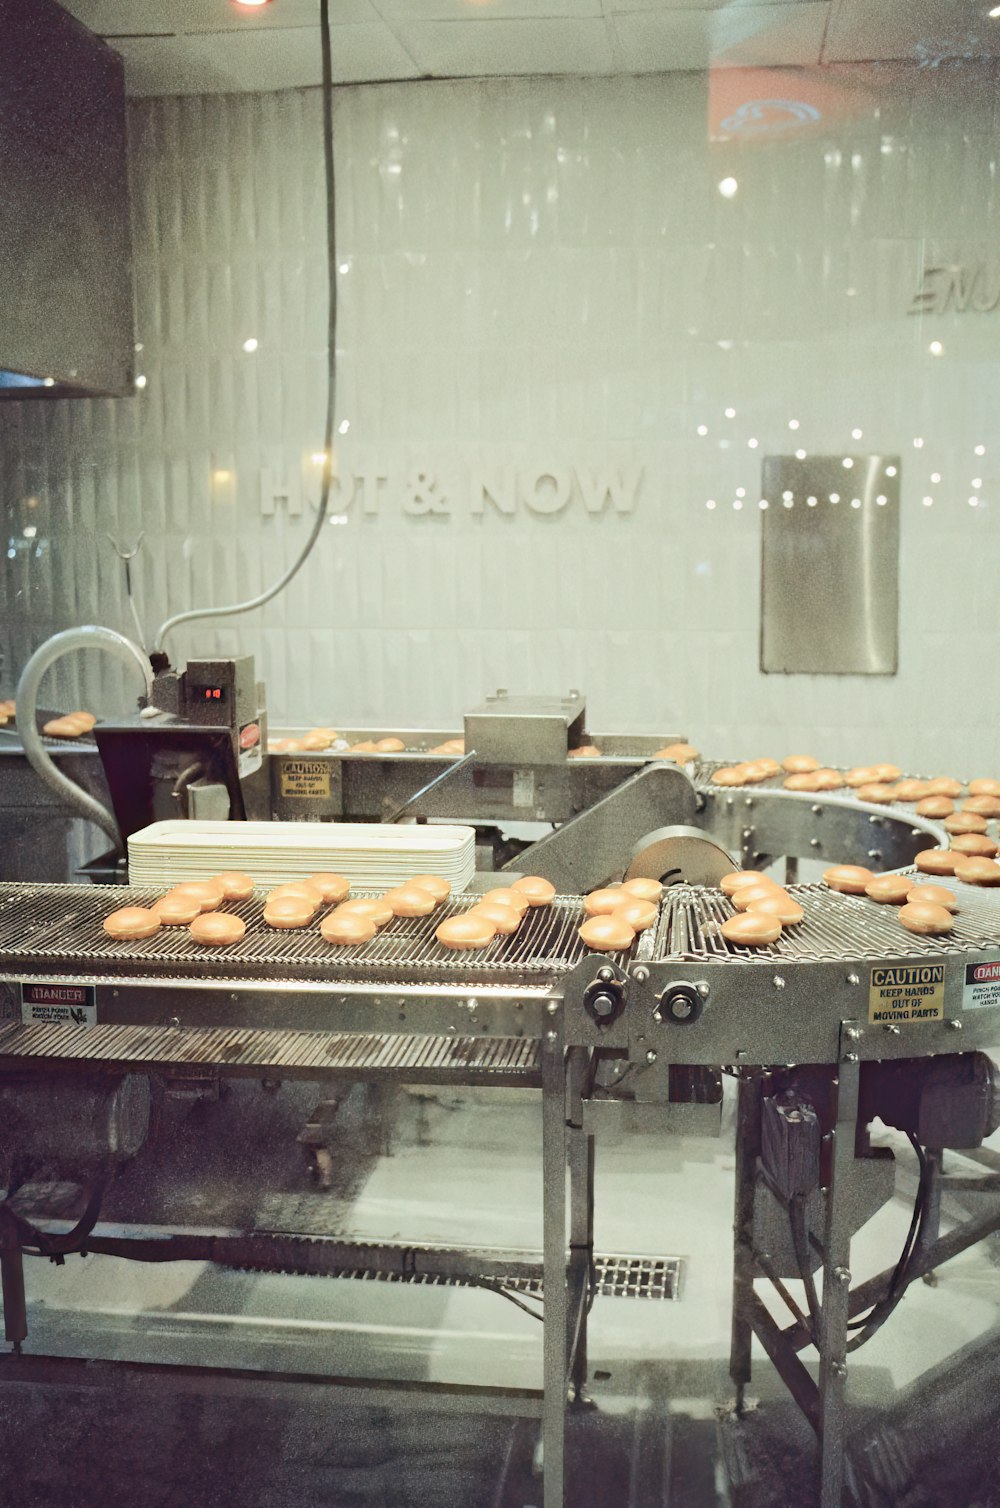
point(65, 244)
point(829, 565)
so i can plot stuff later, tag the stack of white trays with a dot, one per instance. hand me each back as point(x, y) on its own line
point(373, 856)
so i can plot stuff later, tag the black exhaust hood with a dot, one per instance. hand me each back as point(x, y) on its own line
point(66, 312)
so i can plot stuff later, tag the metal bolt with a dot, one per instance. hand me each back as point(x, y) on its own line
point(605, 975)
point(748, 801)
point(657, 1014)
point(842, 1274)
point(814, 843)
point(747, 832)
point(891, 1028)
point(553, 1007)
point(729, 800)
point(641, 974)
point(852, 1033)
point(955, 1024)
point(874, 853)
point(651, 1055)
point(471, 1006)
point(778, 982)
point(853, 979)
point(839, 1368)
point(816, 810)
point(174, 1021)
point(551, 1036)
point(603, 1006)
point(702, 988)
point(850, 1057)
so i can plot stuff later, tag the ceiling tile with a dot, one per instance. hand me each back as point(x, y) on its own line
point(485, 10)
point(922, 31)
point(744, 36)
point(165, 17)
point(258, 61)
point(459, 48)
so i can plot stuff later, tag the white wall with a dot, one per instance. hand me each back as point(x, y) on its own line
point(538, 273)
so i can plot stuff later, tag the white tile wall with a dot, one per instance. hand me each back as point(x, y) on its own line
point(538, 273)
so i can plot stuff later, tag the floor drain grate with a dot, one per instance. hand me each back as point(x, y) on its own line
point(619, 1277)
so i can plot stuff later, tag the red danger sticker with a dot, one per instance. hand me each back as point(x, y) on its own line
point(982, 985)
point(50, 1002)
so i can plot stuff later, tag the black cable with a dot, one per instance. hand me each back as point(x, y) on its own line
point(331, 380)
point(511, 1298)
point(900, 1280)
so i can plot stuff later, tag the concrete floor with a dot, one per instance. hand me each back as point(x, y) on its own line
point(465, 1168)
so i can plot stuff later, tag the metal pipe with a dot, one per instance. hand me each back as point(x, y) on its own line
point(88, 636)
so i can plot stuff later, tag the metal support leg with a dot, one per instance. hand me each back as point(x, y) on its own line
point(747, 1148)
point(932, 1219)
point(555, 1380)
point(580, 1151)
point(791, 870)
point(836, 1293)
point(15, 1318)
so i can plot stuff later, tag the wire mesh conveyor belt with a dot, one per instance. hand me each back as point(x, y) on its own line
point(59, 927)
point(835, 926)
point(427, 1059)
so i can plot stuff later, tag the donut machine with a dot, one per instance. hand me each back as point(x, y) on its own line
point(843, 1020)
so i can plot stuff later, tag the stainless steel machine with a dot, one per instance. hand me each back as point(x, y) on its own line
point(843, 1020)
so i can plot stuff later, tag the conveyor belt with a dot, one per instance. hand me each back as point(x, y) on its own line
point(835, 926)
point(430, 1059)
point(59, 928)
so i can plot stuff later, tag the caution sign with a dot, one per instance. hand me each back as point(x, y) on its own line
point(907, 992)
point(53, 1003)
point(305, 778)
point(982, 985)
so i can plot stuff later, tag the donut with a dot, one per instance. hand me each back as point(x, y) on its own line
point(646, 890)
point(374, 906)
point(827, 780)
point(538, 891)
point(887, 772)
point(890, 889)
point(208, 893)
point(330, 887)
point(236, 886)
point(584, 751)
point(288, 911)
point(410, 900)
point(177, 910)
point(976, 787)
point(983, 806)
point(877, 793)
point(352, 928)
point(730, 775)
point(771, 766)
point(316, 742)
point(751, 929)
point(506, 919)
point(744, 898)
point(935, 806)
point(364, 747)
point(759, 769)
point(62, 727)
point(975, 871)
point(638, 913)
point(469, 930)
point(974, 843)
point(607, 933)
point(800, 764)
point(944, 785)
point(509, 897)
point(217, 929)
point(934, 895)
point(849, 879)
point(926, 919)
point(389, 746)
point(912, 790)
point(862, 774)
point(779, 904)
point(678, 753)
point(131, 923)
point(602, 902)
point(297, 890)
point(965, 822)
point(937, 861)
point(434, 884)
point(802, 781)
point(732, 882)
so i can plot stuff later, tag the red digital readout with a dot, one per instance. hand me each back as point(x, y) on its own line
point(213, 694)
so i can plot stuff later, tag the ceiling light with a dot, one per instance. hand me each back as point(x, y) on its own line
point(710, 503)
point(730, 413)
point(973, 502)
point(140, 381)
point(741, 492)
point(344, 426)
point(251, 4)
point(980, 450)
point(800, 455)
point(811, 502)
point(881, 499)
point(762, 503)
point(977, 482)
point(935, 348)
point(856, 434)
point(835, 497)
point(752, 444)
point(890, 471)
point(918, 443)
point(855, 502)
point(928, 502)
point(738, 503)
point(847, 462)
point(793, 424)
point(703, 429)
point(994, 12)
point(250, 345)
point(728, 187)
point(935, 476)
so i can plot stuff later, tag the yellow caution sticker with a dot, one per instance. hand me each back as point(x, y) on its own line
point(906, 992)
point(305, 778)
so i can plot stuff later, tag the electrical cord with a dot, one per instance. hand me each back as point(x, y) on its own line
point(900, 1280)
point(331, 389)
